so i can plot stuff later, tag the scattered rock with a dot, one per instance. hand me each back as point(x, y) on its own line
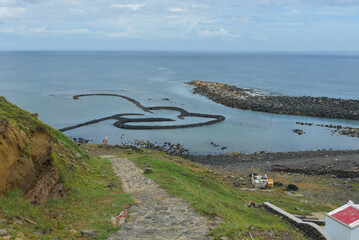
point(88, 233)
point(295, 195)
point(291, 187)
point(20, 235)
point(73, 231)
point(120, 218)
point(3, 232)
point(236, 184)
point(18, 222)
point(148, 170)
point(298, 131)
point(81, 140)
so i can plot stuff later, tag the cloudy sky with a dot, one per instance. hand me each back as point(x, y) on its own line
point(207, 25)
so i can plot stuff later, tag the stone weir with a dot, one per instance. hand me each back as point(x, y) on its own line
point(122, 120)
point(249, 99)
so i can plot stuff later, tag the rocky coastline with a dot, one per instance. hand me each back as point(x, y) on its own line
point(337, 163)
point(249, 99)
point(340, 164)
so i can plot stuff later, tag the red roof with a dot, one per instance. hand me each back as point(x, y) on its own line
point(347, 216)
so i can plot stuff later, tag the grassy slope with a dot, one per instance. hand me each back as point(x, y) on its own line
point(88, 204)
point(23, 119)
point(208, 194)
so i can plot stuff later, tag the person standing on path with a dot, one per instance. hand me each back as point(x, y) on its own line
point(104, 142)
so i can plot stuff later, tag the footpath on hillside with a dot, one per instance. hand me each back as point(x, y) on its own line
point(155, 214)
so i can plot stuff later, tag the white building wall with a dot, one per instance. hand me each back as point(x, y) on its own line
point(355, 234)
point(338, 231)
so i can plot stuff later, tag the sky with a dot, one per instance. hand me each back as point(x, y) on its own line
point(186, 25)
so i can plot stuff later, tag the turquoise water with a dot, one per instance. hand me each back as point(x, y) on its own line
point(44, 82)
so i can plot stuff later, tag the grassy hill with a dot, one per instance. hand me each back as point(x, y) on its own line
point(85, 202)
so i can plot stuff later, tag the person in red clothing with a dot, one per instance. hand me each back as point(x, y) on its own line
point(104, 142)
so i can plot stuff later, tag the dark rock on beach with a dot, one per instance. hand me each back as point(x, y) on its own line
point(341, 164)
point(298, 131)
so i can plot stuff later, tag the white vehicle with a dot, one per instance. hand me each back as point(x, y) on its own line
point(259, 181)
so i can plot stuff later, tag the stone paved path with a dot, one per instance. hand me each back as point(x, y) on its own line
point(155, 214)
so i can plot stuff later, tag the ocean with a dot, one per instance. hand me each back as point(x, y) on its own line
point(45, 82)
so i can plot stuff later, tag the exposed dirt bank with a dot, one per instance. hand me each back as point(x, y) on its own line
point(25, 163)
point(25, 155)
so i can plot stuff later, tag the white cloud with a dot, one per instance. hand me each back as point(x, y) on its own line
point(133, 7)
point(220, 32)
point(71, 31)
point(258, 38)
point(341, 3)
point(209, 21)
point(5, 2)
point(7, 12)
point(176, 9)
point(37, 30)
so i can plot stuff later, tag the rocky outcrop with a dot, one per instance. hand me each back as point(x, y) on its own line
point(25, 162)
point(16, 168)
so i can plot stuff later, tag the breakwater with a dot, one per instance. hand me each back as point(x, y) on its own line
point(249, 99)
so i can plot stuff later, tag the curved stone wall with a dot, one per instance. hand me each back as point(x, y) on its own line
point(122, 121)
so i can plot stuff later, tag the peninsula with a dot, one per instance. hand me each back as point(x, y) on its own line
point(250, 99)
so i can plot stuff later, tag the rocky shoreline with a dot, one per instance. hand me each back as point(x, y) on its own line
point(341, 164)
point(249, 99)
point(337, 163)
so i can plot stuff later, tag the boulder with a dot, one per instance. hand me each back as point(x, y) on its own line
point(291, 187)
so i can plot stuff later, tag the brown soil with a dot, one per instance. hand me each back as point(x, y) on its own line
point(25, 163)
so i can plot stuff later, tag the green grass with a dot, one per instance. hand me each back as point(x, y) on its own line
point(59, 136)
point(24, 119)
point(88, 204)
point(211, 197)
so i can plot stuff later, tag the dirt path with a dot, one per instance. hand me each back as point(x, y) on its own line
point(155, 214)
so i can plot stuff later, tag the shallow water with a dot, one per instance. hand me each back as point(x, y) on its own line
point(45, 82)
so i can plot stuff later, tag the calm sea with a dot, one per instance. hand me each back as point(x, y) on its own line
point(44, 82)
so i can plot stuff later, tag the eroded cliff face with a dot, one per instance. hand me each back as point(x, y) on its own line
point(25, 163)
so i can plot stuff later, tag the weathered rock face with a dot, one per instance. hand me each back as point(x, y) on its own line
point(16, 169)
point(25, 163)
